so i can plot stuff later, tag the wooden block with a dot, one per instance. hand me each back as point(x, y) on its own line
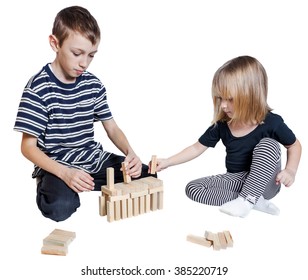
point(118, 197)
point(57, 240)
point(117, 211)
point(154, 203)
point(129, 207)
point(136, 206)
point(137, 186)
point(142, 204)
point(160, 198)
point(102, 205)
point(229, 238)
point(222, 240)
point(126, 178)
point(139, 193)
point(123, 188)
point(124, 208)
point(110, 178)
point(106, 190)
point(54, 250)
point(214, 238)
point(155, 189)
point(56, 243)
point(152, 181)
point(70, 234)
point(110, 211)
point(199, 240)
point(147, 203)
point(153, 165)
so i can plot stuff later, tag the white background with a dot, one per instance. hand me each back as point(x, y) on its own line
point(157, 60)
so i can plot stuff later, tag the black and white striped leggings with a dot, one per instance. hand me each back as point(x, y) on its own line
point(260, 180)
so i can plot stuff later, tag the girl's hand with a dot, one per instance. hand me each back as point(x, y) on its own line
point(161, 164)
point(285, 177)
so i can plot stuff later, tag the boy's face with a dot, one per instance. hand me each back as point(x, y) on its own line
point(73, 57)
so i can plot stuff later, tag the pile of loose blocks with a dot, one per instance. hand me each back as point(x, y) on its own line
point(132, 197)
point(220, 240)
point(56, 243)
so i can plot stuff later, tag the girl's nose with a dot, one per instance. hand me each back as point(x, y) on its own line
point(223, 104)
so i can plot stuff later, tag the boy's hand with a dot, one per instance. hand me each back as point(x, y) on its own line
point(78, 180)
point(134, 166)
point(285, 177)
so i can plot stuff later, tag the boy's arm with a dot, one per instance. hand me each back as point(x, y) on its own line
point(185, 155)
point(76, 179)
point(119, 139)
point(287, 175)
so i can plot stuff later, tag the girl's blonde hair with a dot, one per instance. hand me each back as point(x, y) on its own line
point(244, 80)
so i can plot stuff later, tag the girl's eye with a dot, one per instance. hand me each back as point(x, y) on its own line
point(76, 54)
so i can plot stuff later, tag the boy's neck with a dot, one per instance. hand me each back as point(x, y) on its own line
point(60, 74)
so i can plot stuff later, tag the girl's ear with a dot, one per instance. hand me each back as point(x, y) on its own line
point(54, 43)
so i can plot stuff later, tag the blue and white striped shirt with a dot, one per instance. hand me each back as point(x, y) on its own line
point(62, 117)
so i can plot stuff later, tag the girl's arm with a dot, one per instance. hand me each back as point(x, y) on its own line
point(185, 155)
point(287, 175)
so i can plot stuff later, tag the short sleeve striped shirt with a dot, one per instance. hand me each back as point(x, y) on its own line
point(62, 117)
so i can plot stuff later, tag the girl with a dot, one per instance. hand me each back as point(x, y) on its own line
point(251, 133)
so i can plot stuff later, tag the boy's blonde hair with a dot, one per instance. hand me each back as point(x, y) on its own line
point(76, 19)
point(244, 80)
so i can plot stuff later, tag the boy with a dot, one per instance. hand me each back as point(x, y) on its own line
point(56, 114)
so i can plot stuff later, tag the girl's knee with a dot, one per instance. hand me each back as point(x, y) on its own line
point(269, 147)
point(269, 144)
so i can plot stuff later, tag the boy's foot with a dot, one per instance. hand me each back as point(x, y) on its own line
point(238, 207)
point(266, 206)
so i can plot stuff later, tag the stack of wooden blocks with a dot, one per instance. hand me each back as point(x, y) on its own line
point(220, 240)
point(132, 197)
point(56, 243)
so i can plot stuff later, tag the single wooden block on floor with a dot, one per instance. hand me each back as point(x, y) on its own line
point(228, 238)
point(222, 240)
point(54, 250)
point(199, 240)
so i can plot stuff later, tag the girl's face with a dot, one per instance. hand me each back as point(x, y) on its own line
point(227, 106)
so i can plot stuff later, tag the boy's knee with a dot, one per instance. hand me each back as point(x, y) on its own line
point(58, 210)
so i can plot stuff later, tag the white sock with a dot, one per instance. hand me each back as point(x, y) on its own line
point(238, 207)
point(266, 206)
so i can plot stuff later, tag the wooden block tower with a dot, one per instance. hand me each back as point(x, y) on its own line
point(130, 198)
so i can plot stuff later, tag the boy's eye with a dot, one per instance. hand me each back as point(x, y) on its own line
point(76, 54)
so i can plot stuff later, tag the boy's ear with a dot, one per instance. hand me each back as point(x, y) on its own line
point(54, 43)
